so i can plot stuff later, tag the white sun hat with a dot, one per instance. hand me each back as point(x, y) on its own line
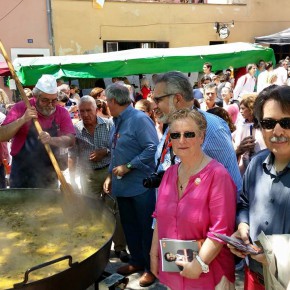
point(47, 84)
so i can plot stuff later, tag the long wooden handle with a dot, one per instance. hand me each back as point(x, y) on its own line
point(66, 188)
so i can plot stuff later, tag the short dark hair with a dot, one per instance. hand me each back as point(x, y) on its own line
point(210, 86)
point(278, 93)
point(165, 257)
point(222, 113)
point(268, 65)
point(205, 78)
point(208, 64)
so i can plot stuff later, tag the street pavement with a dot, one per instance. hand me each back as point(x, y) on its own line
point(115, 263)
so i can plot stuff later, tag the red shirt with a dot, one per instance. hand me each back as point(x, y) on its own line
point(4, 154)
point(145, 92)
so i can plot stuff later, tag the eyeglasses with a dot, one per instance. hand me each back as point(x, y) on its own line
point(271, 123)
point(185, 135)
point(48, 101)
point(158, 99)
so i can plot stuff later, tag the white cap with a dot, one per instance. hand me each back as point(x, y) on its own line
point(47, 84)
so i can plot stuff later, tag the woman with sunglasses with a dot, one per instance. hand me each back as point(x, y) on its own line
point(196, 198)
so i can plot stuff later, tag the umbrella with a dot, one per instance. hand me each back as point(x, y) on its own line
point(277, 251)
point(279, 38)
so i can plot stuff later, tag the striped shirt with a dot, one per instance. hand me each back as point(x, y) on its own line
point(87, 143)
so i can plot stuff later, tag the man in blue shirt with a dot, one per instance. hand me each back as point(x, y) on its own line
point(133, 146)
point(172, 92)
point(265, 198)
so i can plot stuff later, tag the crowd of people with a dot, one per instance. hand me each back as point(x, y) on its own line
point(182, 162)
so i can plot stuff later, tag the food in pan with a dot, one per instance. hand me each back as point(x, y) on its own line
point(34, 233)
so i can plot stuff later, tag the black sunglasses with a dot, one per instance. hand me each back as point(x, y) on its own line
point(185, 134)
point(271, 123)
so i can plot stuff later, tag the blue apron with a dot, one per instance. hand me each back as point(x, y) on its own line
point(31, 167)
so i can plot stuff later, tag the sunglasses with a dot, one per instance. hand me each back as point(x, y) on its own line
point(158, 99)
point(271, 123)
point(185, 135)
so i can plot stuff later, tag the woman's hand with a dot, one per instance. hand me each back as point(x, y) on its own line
point(191, 270)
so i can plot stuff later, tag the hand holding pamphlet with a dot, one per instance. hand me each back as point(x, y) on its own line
point(177, 250)
point(239, 244)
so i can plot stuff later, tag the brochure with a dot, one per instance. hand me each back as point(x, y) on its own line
point(177, 250)
point(239, 244)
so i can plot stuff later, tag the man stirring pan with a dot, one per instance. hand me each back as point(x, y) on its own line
point(31, 166)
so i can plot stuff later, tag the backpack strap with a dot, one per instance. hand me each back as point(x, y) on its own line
point(246, 78)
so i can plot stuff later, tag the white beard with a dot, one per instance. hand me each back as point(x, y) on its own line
point(164, 118)
point(45, 112)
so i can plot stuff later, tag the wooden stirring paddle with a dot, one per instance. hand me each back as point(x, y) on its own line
point(66, 188)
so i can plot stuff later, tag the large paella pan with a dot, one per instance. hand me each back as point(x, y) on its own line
point(43, 245)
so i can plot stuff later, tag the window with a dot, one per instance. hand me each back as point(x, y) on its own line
point(123, 45)
point(29, 52)
point(217, 42)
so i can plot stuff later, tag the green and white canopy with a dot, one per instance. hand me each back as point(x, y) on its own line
point(141, 61)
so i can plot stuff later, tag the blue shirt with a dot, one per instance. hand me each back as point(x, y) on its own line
point(265, 199)
point(217, 144)
point(134, 140)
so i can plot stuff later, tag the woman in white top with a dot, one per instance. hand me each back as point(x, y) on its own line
point(248, 138)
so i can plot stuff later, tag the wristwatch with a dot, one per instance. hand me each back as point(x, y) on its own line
point(129, 165)
point(204, 266)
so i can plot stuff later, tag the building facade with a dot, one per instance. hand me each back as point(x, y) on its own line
point(79, 27)
point(24, 30)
